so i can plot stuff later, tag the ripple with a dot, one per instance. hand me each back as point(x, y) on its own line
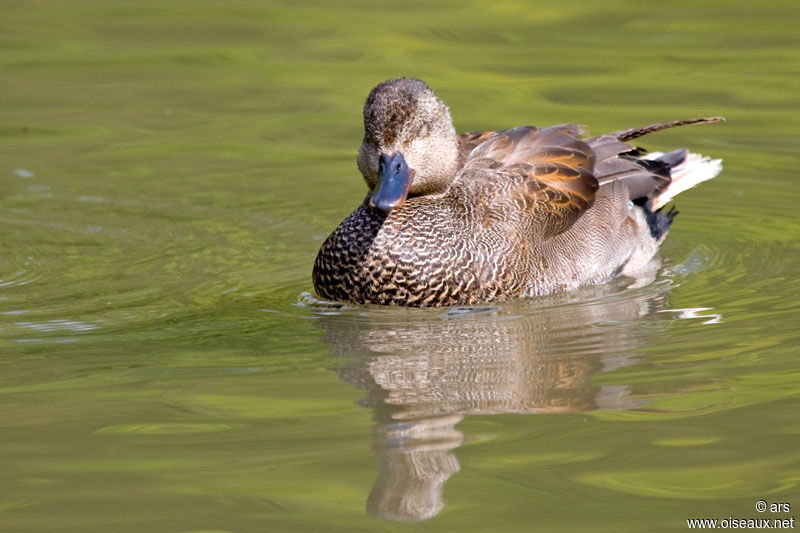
point(306, 299)
point(60, 324)
point(29, 271)
point(753, 274)
point(165, 428)
point(699, 481)
point(460, 311)
point(695, 313)
point(24, 173)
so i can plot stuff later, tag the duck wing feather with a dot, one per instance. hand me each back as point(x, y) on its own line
point(548, 172)
point(554, 174)
point(619, 161)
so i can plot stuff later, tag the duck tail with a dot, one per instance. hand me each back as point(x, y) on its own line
point(686, 169)
point(633, 133)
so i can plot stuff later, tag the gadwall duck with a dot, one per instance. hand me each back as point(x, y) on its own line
point(463, 219)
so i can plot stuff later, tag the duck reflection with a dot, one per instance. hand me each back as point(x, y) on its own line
point(425, 370)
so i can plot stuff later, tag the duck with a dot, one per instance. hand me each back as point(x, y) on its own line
point(488, 216)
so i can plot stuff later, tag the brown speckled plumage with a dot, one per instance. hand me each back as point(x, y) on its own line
point(493, 215)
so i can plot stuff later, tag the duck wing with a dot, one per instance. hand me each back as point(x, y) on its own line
point(553, 175)
point(467, 142)
point(617, 161)
point(546, 172)
point(645, 178)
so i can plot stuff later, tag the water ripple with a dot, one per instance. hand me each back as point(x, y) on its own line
point(61, 324)
point(28, 272)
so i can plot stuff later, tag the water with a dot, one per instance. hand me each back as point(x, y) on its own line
point(168, 173)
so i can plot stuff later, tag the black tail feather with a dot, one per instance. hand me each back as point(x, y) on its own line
point(658, 221)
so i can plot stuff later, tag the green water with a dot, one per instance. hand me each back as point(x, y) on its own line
point(169, 170)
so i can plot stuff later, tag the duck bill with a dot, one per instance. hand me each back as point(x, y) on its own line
point(394, 180)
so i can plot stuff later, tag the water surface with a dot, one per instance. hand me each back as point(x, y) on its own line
point(168, 173)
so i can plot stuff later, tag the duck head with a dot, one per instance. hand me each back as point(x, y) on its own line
point(410, 146)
